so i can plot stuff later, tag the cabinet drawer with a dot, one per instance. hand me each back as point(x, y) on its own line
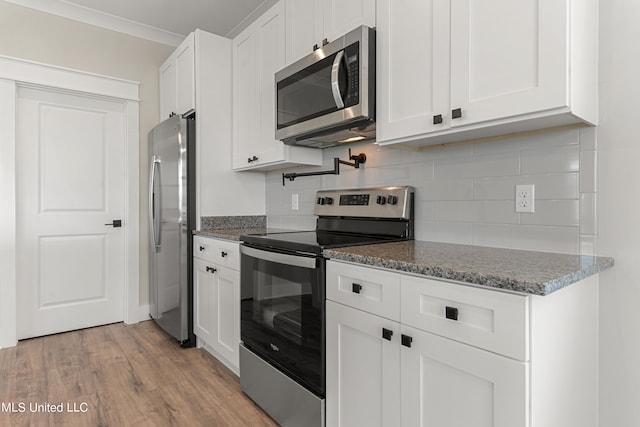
point(221, 252)
point(368, 289)
point(492, 320)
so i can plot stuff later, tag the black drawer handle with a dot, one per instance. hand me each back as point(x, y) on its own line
point(451, 313)
point(406, 340)
point(202, 248)
point(211, 269)
point(437, 119)
point(456, 114)
point(387, 334)
point(223, 254)
point(356, 288)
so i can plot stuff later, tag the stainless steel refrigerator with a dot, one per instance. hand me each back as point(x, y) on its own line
point(172, 219)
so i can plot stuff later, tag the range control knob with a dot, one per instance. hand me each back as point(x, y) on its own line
point(321, 201)
point(328, 200)
point(392, 200)
point(381, 200)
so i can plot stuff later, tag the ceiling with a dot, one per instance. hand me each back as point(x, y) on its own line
point(165, 21)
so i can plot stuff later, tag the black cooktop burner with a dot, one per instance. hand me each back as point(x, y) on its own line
point(311, 241)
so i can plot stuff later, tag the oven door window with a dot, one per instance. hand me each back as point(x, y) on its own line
point(282, 312)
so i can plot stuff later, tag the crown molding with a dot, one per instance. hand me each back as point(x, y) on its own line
point(102, 20)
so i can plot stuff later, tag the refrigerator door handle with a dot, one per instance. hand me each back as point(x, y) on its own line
point(156, 223)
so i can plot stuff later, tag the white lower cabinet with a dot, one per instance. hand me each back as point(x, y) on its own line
point(216, 320)
point(449, 355)
point(449, 384)
point(363, 368)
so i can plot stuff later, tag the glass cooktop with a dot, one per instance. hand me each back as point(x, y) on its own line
point(311, 241)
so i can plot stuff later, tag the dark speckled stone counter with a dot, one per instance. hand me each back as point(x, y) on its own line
point(538, 273)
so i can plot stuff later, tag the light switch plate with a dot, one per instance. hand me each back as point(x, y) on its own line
point(294, 202)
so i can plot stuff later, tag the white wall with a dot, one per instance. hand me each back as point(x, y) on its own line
point(619, 212)
point(466, 194)
point(36, 36)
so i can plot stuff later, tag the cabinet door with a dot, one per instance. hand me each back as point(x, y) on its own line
point(449, 384)
point(412, 67)
point(304, 27)
point(203, 287)
point(506, 67)
point(270, 59)
point(363, 369)
point(167, 88)
point(185, 75)
point(226, 312)
point(245, 97)
point(342, 16)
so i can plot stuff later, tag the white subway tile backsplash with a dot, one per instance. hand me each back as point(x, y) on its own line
point(446, 232)
point(548, 186)
point(465, 193)
point(588, 170)
point(553, 212)
point(531, 237)
point(478, 166)
point(588, 138)
point(455, 189)
point(562, 159)
point(588, 223)
point(587, 245)
point(495, 212)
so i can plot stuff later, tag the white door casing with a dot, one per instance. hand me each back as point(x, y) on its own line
point(70, 184)
point(14, 73)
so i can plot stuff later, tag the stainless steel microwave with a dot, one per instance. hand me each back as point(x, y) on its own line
point(328, 97)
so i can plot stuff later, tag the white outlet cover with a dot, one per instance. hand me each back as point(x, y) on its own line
point(525, 198)
point(294, 202)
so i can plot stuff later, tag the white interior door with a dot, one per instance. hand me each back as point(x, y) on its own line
point(70, 184)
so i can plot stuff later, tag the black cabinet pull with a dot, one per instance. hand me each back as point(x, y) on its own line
point(252, 159)
point(116, 223)
point(223, 254)
point(201, 248)
point(211, 269)
point(451, 313)
point(406, 340)
point(356, 288)
point(437, 119)
point(387, 334)
point(456, 114)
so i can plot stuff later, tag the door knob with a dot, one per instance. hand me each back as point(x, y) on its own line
point(116, 223)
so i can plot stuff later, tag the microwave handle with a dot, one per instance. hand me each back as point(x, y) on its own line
point(335, 86)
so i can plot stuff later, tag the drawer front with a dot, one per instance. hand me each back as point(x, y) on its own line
point(492, 320)
point(222, 252)
point(368, 289)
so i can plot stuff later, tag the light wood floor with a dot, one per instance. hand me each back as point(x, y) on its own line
point(126, 375)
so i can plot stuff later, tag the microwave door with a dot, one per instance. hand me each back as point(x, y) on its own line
point(335, 80)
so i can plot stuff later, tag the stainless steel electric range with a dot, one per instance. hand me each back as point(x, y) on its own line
point(282, 358)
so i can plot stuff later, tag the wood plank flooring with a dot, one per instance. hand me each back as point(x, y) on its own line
point(119, 375)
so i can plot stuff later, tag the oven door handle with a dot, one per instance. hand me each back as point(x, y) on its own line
point(294, 260)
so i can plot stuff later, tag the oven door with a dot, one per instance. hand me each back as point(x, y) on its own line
point(282, 312)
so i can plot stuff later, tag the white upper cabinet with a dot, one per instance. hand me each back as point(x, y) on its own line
point(458, 70)
point(177, 80)
point(258, 53)
point(314, 22)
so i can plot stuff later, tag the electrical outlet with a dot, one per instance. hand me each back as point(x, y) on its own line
point(294, 202)
point(525, 198)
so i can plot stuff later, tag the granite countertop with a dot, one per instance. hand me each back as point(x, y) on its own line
point(538, 273)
